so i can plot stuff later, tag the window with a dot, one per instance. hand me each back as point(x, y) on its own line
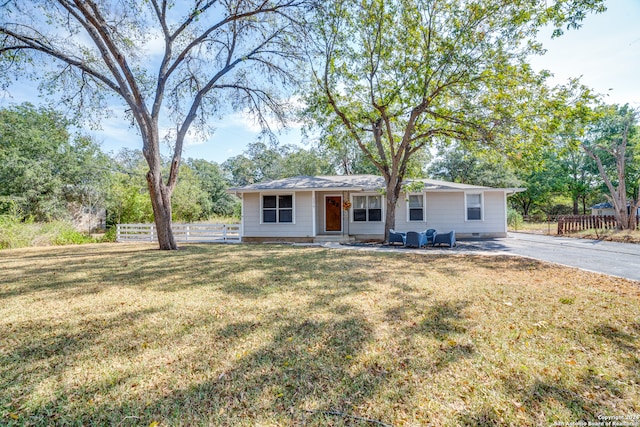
point(474, 207)
point(415, 207)
point(367, 208)
point(277, 209)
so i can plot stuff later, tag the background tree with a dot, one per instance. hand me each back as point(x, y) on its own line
point(581, 179)
point(257, 163)
point(215, 185)
point(544, 181)
point(299, 161)
point(456, 163)
point(610, 143)
point(190, 201)
point(260, 162)
point(128, 199)
point(214, 56)
point(399, 75)
point(43, 168)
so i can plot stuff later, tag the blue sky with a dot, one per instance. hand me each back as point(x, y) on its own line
point(605, 53)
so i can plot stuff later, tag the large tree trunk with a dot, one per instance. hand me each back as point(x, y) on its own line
point(617, 194)
point(161, 203)
point(160, 196)
point(393, 188)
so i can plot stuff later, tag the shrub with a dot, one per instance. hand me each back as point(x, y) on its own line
point(14, 233)
point(67, 235)
point(109, 235)
point(514, 219)
point(19, 234)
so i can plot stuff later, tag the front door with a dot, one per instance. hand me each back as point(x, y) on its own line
point(333, 213)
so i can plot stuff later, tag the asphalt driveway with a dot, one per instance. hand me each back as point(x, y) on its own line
point(616, 259)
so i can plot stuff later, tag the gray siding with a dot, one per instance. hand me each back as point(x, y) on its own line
point(445, 211)
point(302, 216)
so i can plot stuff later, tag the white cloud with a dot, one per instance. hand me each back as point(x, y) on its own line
point(154, 45)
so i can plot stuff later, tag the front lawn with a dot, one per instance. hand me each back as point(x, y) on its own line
point(127, 335)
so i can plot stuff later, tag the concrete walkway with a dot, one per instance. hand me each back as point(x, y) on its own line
point(615, 259)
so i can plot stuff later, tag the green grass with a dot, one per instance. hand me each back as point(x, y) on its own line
point(275, 335)
point(17, 234)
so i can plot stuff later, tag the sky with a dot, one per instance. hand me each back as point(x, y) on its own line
point(604, 53)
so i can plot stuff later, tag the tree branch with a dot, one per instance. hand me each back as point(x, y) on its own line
point(36, 45)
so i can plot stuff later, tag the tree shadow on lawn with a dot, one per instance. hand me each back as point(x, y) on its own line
point(547, 400)
point(307, 362)
point(627, 343)
point(42, 351)
point(567, 399)
point(309, 370)
point(308, 366)
point(73, 271)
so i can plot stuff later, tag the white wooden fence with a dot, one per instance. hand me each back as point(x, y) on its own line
point(196, 233)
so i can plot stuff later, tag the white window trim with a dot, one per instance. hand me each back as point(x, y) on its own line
point(466, 211)
point(293, 208)
point(324, 209)
point(382, 206)
point(424, 208)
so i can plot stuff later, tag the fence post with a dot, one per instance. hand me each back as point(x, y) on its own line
point(224, 232)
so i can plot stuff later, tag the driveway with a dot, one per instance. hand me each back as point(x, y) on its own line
point(615, 259)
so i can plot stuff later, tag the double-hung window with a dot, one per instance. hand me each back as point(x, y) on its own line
point(277, 209)
point(474, 207)
point(367, 208)
point(415, 207)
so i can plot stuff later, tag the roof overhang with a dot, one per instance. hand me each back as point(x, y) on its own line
point(289, 190)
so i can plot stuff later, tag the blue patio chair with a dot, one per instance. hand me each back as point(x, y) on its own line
point(415, 240)
point(431, 235)
point(397, 237)
point(448, 238)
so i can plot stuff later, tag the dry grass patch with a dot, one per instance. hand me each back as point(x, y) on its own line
point(274, 335)
point(551, 229)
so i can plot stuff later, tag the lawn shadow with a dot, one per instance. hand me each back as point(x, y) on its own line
point(53, 348)
point(308, 367)
point(625, 342)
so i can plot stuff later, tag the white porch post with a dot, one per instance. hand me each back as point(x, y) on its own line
point(506, 215)
point(241, 215)
point(314, 213)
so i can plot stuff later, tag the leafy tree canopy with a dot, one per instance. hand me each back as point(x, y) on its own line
point(43, 167)
point(261, 162)
point(172, 64)
point(397, 76)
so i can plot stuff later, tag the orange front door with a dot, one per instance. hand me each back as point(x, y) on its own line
point(333, 213)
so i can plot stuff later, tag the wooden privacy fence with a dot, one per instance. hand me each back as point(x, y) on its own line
point(196, 233)
point(573, 223)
